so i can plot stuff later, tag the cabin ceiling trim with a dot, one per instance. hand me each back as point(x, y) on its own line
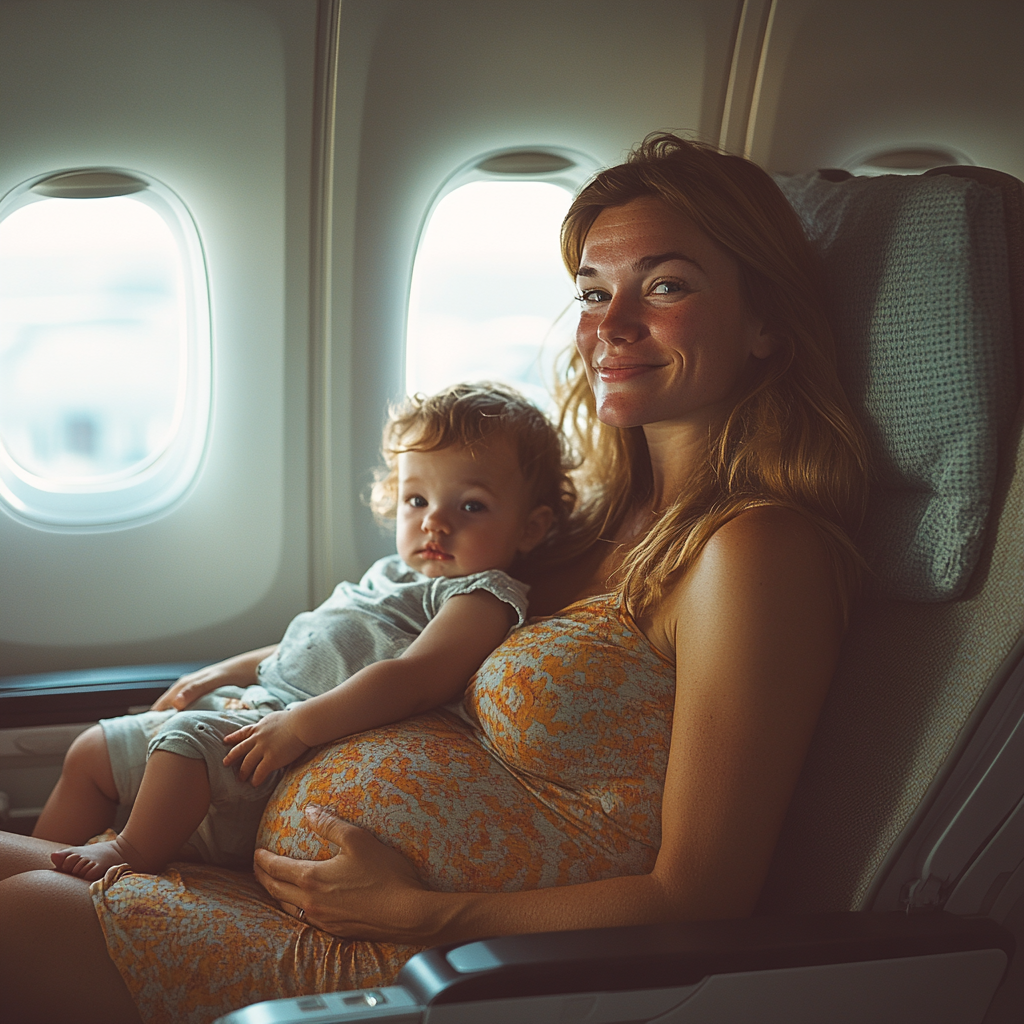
point(746, 74)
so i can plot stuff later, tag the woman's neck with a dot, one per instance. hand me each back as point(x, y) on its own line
point(675, 454)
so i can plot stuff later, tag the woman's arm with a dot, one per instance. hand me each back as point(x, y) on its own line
point(756, 628)
point(370, 891)
point(756, 632)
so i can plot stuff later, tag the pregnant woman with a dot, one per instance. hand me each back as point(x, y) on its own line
point(627, 756)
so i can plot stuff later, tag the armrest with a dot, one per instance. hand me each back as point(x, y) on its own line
point(84, 695)
point(663, 956)
point(845, 968)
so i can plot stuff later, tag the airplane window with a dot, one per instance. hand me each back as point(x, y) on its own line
point(490, 297)
point(103, 344)
point(90, 376)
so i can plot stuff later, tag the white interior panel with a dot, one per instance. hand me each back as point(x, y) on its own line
point(844, 78)
point(213, 98)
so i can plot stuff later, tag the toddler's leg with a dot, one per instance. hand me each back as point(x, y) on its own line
point(172, 802)
point(84, 801)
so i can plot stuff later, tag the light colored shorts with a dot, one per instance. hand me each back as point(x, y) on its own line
point(227, 835)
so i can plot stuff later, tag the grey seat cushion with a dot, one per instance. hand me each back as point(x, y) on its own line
point(917, 270)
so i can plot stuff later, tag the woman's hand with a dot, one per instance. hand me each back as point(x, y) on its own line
point(365, 891)
point(264, 747)
point(237, 671)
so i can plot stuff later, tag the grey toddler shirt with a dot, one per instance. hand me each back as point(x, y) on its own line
point(368, 621)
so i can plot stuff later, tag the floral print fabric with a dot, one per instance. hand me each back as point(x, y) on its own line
point(549, 772)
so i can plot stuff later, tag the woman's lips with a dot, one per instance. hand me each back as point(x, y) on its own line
point(612, 374)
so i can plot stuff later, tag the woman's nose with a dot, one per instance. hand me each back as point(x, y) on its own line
point(621, 323)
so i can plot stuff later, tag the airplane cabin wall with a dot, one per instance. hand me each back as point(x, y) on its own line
point(219, 99)
point(214, 99)
point(849, 79)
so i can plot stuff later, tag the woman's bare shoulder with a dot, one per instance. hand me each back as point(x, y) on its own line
point(764, 535)
point(767, 564)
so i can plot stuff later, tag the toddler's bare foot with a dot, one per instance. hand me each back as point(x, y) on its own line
point(92, 862)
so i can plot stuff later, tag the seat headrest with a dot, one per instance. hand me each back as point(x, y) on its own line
point(918, 277)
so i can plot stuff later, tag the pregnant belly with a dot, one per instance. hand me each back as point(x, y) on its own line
point(428, 788)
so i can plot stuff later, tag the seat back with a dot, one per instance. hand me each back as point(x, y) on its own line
point(912, 671)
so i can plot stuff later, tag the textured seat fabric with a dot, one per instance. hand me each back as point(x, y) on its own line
point(911, 672)
point(917, 271)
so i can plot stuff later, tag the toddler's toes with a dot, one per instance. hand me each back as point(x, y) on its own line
point(88, 862)
point(83, 867)
point(69, 861)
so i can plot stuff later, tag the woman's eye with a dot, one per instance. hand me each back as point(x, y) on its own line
point(474, 506)
point(666, 288)
point(588, 296)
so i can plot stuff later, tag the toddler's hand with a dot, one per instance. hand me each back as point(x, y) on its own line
point(264, 747)
point(195, 685)
point(237, 671)
point(188, 688)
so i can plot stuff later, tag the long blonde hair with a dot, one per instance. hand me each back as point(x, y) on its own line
point(792, 438)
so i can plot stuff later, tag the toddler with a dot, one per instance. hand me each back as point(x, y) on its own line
point(476, 478)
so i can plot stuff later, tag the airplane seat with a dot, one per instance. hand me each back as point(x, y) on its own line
point(896, 894)
point(927, 644)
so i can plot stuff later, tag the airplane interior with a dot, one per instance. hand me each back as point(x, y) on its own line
point(233, 231)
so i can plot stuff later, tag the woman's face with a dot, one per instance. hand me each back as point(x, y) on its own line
point(664, 332)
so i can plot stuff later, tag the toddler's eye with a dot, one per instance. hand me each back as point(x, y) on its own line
point(416, 501)
point(474, 506)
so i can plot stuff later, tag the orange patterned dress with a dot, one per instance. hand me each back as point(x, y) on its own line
point(550, 772)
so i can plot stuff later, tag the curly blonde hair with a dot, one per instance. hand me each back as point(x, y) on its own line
point(469, 416)
point(792, 438)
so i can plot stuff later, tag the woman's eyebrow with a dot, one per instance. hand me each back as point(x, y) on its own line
point(645, 263)
point(650, 262)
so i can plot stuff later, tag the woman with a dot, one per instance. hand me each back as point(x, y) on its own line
point(626, 759)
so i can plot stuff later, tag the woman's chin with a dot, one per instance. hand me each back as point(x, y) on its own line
point(621, 415)
point(629, 406)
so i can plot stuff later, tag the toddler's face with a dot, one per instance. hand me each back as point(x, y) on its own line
point(461, 512)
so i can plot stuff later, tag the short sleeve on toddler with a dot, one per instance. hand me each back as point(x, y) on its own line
point(494, 581)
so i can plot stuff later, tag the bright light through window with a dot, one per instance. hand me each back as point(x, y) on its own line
point(93, 337)
point(490, 298)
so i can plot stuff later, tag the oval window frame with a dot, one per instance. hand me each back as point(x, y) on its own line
point(149, 488)
point(569, 168)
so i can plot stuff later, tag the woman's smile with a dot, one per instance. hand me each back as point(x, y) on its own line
point(613, 372)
